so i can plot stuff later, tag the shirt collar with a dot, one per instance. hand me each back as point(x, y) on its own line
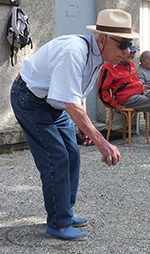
point(125, 64)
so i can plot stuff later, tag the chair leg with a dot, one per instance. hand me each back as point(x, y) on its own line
point(129, 127)
point(137, 123)
point(110, 122)
point(124, 127)
point(146, 126)
point(148, 120)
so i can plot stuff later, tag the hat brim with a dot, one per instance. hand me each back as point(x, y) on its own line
point(133, 35)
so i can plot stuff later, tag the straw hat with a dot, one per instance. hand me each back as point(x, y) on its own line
point(114, 22)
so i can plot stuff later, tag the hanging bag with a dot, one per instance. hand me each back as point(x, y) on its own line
point(18, 30)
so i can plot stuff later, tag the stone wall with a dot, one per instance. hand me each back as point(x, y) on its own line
point(43, 28)
point(42, 20)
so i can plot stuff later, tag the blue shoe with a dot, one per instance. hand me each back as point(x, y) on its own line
point(79, 222)
point(69, 233)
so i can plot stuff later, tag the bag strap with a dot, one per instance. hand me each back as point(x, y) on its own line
point(88, 45)
point(12, 49)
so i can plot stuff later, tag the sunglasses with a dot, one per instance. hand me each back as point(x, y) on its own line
point(122, 44)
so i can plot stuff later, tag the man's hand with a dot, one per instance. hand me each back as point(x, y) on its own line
point(110, 153)
point(79, 116)
point(118, 108)
point(87, 140)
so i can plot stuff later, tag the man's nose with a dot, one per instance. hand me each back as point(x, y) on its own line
point(126, 51)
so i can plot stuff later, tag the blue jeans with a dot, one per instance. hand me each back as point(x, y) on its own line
point(51, 138)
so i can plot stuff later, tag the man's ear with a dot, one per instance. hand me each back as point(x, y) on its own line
point(101, 40)
point(143, 61)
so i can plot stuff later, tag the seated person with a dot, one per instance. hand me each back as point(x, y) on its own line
point(122, 80)
point(143, 69)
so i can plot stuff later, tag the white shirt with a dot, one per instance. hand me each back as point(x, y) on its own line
point(59, 70)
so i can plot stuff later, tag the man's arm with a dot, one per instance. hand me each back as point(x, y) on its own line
point(141, 75)
point(81, 119)
point(104, 87)
point(81, 134)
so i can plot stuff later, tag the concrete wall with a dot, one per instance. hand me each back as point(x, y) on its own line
point(132, 7)
point(43, 28)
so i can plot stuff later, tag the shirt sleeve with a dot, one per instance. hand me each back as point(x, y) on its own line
point(104, 88)
point(141, 75)
point(66, 78)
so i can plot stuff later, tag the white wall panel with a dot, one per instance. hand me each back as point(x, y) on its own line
point(72, 16)
point(145, 25)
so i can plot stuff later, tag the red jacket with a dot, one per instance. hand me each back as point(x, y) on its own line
point(123, 82)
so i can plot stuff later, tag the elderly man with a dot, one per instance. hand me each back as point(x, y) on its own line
point(127, 89)
point(47, 98)
point(143, 69)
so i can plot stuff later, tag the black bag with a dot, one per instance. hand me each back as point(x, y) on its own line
point(18, 29)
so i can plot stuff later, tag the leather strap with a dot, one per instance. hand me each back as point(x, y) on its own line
point(17, 78)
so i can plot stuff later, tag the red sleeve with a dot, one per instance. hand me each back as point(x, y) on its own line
point(104, 86)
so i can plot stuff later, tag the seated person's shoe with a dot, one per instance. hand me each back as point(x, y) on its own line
point(69, 233)
point(79, 222)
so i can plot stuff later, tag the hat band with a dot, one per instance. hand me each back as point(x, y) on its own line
point(113, 29)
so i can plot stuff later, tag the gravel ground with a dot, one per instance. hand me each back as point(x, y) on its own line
point(115, 200)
